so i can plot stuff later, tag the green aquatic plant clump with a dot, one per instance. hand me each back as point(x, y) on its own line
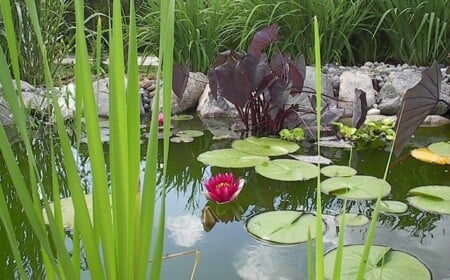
point(297, 134)
point(373, 134)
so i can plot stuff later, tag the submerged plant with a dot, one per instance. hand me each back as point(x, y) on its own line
point(223, 188)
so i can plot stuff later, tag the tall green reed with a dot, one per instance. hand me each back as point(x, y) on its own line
point(117, 241)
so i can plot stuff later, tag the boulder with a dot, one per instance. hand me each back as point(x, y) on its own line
point(208, 106)
point(348, 82)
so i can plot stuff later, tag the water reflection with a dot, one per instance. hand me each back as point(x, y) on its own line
point(185, 230)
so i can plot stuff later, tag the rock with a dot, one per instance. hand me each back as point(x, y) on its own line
point(5, 113)
point(309, 87)
point(101, 93)
point(208, 106)
point(194, 89)
point(374, 111)
point(349, 81)
point(435, 120)
point(395, 88)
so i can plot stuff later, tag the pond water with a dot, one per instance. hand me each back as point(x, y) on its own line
point(227, 251)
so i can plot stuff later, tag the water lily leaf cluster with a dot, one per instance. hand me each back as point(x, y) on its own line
point(282, 227)
point(438, 153)
point(372, 134)
point(352, 219)
point(383, 263)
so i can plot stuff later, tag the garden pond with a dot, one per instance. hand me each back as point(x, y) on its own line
point(227, 250)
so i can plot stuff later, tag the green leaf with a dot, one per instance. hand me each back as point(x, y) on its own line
point(440, 148)
point(231, 158)
point(287, 170)
point(383, 263)
point(434, 199)
point(182, 117)
point(185, 139)
point(338, 171)
point(282, 227)
point(393, 206)
point(357, 187)
point(189, 133)
point(352, 219)
point(265, 146)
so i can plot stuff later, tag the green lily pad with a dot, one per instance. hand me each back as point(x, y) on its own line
point(179, 139)
point(383, 263)
point(434, 199)
point(230, 158)
point(190, 133)
point(68, 212)
point(353, 219)
point(338, 171)
point(282, 227)
point(265, 146)
point(182, 117)
point(356, 187)
point(393, 206)
point(440, 148)
point(287, 170)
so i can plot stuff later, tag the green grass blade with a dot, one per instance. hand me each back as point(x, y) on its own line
point(310, 257)
point(319, 230)
point(340, 246)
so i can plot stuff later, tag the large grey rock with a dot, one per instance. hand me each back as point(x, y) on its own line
point(395, 88)
point(309, 88)
point(5, 113)
point(348, 82)
point(208, 106)
point(194, 89)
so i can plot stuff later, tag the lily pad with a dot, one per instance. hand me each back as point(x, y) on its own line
point(434, 199)
point(338, 171)
point(231, 158)
point(190, 133)
point(353, 219)
point(265, 146)
point(312, 159)
point(393, 206)
point(383, 263)
point(424, 154)
point(287, 170)
point(440, 148)
point(182, 117)
point(356, 187)
point(179, 139)
point(282, 227)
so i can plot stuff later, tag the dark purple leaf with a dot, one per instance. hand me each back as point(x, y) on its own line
point(256, 68)
point(300, 64)
point(359, 108)
point(296, 77)
point(180, 79)
point(416, 105)
point(263, 39)
point(233, 85)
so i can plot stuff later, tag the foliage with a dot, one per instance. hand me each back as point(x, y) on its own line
point(116, 242)
point(372, 134)
point(259, 89)
point(296, 134)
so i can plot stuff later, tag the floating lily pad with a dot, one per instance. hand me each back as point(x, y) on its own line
point(182, 117)
point(393, 206)
point(312, 159)
point(440, 148)
point(434, 199)
point(68, 212)
point(190, 133)
point(265, 146)
point(231, 158)
point(287, 170)
point(356, 187)
point(353, 219)
point(282, 227)
point(424, 154)
point(383, 263)
point(338, 171)
point(179, 139)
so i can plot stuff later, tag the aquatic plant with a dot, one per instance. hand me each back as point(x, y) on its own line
point(223, 188)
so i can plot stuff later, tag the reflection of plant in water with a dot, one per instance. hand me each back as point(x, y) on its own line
point(225, 213)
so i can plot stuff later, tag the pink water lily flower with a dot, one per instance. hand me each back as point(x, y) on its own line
point(223, 188)
point(160, 119)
